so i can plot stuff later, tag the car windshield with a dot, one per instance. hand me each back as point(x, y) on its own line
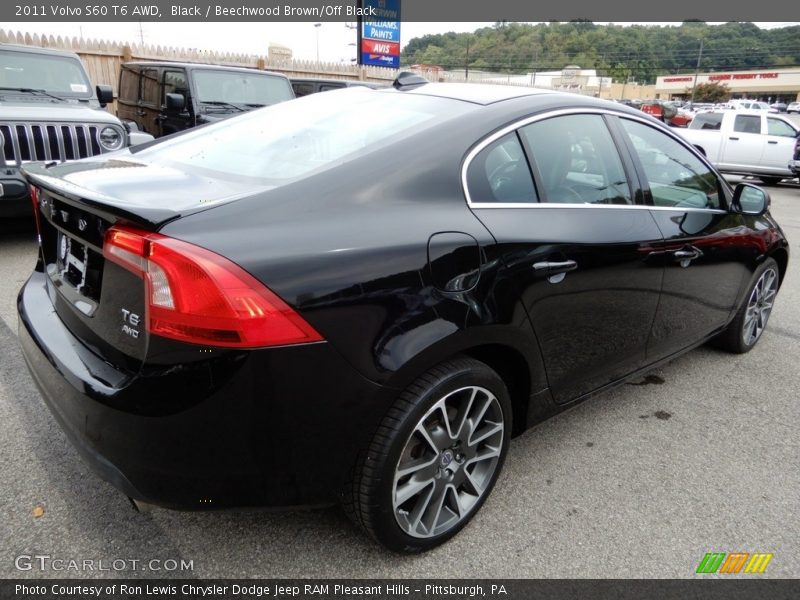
point(281, 143)
point(240, 88)
point(60, 75)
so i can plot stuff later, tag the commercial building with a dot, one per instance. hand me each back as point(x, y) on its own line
point(767, 85)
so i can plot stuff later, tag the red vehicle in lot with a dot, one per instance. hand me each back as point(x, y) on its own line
point(666, 113)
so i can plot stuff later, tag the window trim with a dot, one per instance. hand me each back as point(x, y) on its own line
point(584, 110)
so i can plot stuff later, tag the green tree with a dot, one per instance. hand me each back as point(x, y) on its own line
point(710, 92)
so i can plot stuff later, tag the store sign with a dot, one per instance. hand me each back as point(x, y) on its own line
point(380, 33)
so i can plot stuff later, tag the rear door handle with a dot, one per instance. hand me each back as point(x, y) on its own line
point(733, 138)
point(772, 142)
point(553, 268)
point(686, 256)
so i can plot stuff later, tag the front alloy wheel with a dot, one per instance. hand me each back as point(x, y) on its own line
point(746, 328)
point(434, 459)
point(759, 306)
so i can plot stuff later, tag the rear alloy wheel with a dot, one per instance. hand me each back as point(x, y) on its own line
point(434, 459)
point(746, 328)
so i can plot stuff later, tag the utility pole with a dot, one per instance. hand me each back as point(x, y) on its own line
point(535, 60)
point(696, 71)
point(466, 63)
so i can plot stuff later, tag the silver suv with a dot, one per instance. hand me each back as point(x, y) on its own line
point(49, 112)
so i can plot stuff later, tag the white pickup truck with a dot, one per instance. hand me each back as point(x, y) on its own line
point(745, 142)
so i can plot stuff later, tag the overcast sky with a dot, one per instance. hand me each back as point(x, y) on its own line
point(336, 40)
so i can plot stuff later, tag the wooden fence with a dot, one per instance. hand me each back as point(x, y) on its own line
point(103, 58)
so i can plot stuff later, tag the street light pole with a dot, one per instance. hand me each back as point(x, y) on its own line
point(696, 71)
point(316, 27)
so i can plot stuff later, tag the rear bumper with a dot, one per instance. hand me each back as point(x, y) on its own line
point(794, 166)
point(278, 427)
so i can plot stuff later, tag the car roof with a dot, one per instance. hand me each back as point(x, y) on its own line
point(344, 82)
point(476, 93)
point(37, 50)
point(192, 65)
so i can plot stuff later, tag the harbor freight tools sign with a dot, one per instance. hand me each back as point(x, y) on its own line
point(379, 33)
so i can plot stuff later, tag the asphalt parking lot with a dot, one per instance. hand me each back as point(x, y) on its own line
point(700, 456)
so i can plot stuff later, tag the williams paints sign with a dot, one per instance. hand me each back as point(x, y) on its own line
point(380, 33)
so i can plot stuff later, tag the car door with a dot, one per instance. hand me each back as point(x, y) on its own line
point(743, 146)
point(574, 244)
point(705, 266)
point(779, 148)
point(174, 81)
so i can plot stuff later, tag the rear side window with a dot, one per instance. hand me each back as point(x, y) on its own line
point(780, 128)
point(676, 177)
point(129, 85)
point(303, 89)
point(150, 95)
point(707, 121)
point(747, 124)
point(577, 160)
point(500, 173)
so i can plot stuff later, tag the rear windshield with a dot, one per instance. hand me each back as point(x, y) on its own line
point(61, 75)
point(706, 121)
point(237, 87)
point(284, 142)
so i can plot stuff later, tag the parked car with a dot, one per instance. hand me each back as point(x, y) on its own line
point(793, 107)
point(361, 296)
point(750, 105)
point(794, 164)
point(662, 111)
point(745, 142)
point(167, 97)
point(779, 106)
point(304, 86)
point(49, 112)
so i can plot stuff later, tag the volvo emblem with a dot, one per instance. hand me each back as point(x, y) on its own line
point(446, 458)
point(81, 224)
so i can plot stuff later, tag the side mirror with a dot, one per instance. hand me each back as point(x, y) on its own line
point(105, 94)
point(750, 199)
point(175, 101)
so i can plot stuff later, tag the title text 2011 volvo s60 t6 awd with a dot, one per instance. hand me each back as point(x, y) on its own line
point(361, 296)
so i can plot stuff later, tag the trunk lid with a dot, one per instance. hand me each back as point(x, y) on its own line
point(100, 302)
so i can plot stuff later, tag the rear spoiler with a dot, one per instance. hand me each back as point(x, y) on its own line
point(109, 208)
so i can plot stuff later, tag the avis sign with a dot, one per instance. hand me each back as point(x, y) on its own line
point(380, 33)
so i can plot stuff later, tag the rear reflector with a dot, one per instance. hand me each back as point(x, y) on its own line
point(196, 296)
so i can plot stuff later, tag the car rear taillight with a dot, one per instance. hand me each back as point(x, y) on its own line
point(196, 296)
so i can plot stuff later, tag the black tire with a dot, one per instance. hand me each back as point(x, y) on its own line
point(770, 180)
point(369, 497)
point(733, 338)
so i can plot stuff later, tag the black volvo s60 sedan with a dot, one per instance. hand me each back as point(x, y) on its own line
point(361, 296)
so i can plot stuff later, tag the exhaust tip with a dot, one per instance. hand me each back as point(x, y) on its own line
point(141, 506)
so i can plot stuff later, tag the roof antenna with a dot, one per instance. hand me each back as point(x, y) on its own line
point(407, 80)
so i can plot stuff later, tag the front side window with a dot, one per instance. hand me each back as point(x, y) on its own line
point(129, 85)
point(175, 83)
point(500, 173)
point(747, 124)
point(577, 160)
point(676, 177)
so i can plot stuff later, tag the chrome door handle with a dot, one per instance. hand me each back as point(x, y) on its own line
point(685, 257)
point(555, 271)
point(554, 268)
